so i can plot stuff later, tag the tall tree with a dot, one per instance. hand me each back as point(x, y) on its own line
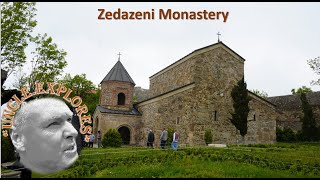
point(241, 100)
point(303, 89)
point(48, 61)
point(315, 66)
point(260, 93)
point(84, 88)
point(17, 23)
point(92, 100)
point(309, 129)
point(79, 84)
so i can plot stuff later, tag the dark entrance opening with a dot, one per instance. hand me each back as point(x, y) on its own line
point(125, 134)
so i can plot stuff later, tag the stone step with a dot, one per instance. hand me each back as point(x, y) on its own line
point(217, 145)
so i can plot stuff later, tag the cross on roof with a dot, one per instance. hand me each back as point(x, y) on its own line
point(119, 56)
point(218, 36)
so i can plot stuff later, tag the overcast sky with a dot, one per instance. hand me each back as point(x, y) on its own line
point(276, 39)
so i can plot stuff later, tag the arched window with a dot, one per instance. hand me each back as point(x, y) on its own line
point(121, 99)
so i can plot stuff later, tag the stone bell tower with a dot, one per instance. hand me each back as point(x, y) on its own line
point(117, 89)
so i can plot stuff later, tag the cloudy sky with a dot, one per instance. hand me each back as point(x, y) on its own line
point(276, 39)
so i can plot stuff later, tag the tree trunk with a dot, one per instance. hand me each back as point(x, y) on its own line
point(242, 140)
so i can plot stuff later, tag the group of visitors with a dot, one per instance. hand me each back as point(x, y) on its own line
point(150, 139)
point(163, 139)
point(92, 140)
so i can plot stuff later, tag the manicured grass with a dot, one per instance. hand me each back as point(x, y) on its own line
point(304, 152)
point(37, 175)
point(277, 160)
point(193, 169)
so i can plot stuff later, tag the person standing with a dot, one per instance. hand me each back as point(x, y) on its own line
point(99, 139)
point(150, 139)
point(163, 138)
point(175, 140)
point(92, 138)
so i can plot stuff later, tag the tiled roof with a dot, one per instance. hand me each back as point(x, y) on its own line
point(118, 73)
point(134, 111)
point(292, 102)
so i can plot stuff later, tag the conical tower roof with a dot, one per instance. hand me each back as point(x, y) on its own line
point(118, 73)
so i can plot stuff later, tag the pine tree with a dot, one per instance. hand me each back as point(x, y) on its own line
point(309, 129)
point(241, 107)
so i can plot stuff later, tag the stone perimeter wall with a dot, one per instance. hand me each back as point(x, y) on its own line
point(292, 118)
point(290, 109)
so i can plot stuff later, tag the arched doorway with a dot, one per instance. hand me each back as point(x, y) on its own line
point(125, 134)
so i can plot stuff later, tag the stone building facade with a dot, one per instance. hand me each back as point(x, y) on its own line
point(191, 95)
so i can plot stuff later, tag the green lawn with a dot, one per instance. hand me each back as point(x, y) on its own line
point(277, 160)
point(192, 169)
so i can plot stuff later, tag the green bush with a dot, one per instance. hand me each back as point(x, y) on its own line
point(208, 136)
point(279, 134)
point(112, 139)
point(7, 150)
point(285, 135)
point(289, 135)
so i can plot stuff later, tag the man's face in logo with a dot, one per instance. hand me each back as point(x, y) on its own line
point(48, 137)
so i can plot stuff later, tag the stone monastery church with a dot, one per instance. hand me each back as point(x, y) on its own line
point(191, 95)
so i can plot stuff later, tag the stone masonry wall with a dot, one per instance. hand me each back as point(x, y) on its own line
point(261, 122)
point(216, 73)
point(173, 112)
point(110, 91)
point(178, 76)
point(292, 118)
point(104, 122)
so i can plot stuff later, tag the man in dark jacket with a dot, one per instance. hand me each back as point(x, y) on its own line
point(150, 139)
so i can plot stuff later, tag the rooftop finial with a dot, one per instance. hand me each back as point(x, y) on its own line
point(218, 36)
point(119, 56)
